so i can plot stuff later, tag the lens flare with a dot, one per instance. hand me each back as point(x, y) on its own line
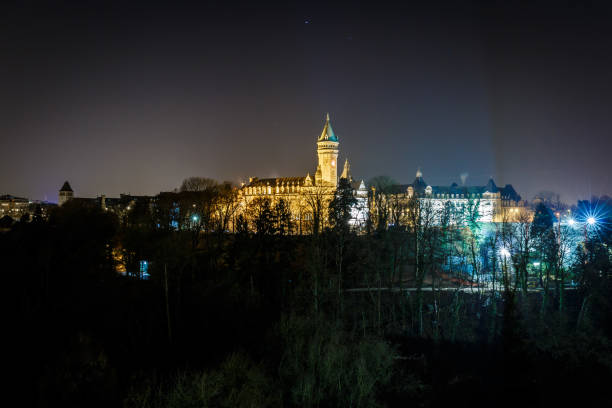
point(595, 216)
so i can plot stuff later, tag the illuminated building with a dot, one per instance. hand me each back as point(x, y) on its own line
point(17, 207)
point(307, 199)
point(13, 206)
point(304, 193)
point(457, 204)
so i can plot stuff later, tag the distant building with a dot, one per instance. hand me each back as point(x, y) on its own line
point(14, 207)
point(124, 203)
point(456, 204)
point(307, 197)
point(18, 207)
point(118, 205)
point(65, 194)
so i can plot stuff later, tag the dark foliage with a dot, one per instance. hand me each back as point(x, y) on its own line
point(265, 318)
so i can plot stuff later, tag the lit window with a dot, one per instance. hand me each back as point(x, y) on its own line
point(144, 270)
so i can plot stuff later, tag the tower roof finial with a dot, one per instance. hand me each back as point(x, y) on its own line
point(327, 117)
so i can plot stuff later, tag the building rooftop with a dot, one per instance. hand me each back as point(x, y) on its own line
point(419, 185)
point(328, 134)
point(66, 187)
point(8, 197)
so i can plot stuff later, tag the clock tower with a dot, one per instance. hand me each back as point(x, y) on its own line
point(327, 152)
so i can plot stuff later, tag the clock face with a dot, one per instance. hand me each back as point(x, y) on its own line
point(333, 163)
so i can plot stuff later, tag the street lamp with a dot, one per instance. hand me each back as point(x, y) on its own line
point(590, 223)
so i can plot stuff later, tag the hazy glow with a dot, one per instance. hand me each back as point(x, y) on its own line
point(571, 221)
point(188, 102)
point(591, 220)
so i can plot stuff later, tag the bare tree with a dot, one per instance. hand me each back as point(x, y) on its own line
point(421, 218)
point(382, 193)
point(226, 206)
point(197, 184)
point(316, 201)
point(282, 218)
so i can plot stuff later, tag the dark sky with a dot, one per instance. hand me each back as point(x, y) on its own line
point(118, 98)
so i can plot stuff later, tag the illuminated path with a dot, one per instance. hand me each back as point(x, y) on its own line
point(466, 289)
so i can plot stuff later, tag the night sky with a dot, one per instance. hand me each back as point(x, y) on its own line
point(133, 99)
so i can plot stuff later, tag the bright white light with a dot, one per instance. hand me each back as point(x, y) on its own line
point(571, 221)
point(195, 218)
point(591, 220)
point(504, 252)
point(536, 264)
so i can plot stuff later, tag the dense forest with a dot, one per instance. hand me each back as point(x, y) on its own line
point(393, 314)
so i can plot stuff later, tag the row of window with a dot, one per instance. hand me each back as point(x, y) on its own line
point(291, 188)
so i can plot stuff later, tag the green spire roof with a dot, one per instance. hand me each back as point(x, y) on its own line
point(328, 132)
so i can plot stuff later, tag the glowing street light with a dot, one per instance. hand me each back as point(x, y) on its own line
point(571, 222)
point(591, 220)
point(195, 218)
